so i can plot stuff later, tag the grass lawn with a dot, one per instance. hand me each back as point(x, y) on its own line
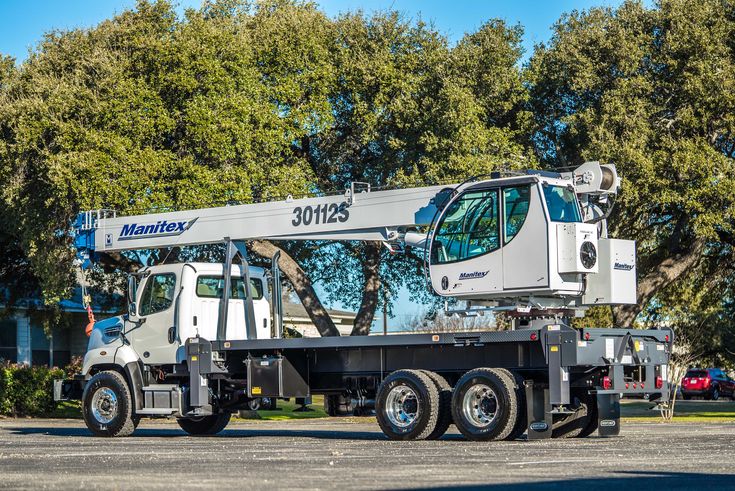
point(286, 411)
point(685, 411)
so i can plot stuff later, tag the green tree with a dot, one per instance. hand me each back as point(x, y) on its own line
point(240, 102)
point(650, 90)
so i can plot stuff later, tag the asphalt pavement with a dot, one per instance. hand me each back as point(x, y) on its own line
point(334, 453)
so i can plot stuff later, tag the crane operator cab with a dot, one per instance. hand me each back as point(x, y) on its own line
point(529, 237)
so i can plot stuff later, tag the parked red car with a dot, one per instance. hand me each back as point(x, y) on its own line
point(710, 383)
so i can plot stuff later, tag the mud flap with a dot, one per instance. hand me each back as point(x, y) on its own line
point(608, 414)
point(538, 409)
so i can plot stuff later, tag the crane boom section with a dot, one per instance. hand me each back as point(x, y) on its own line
point(376, 215)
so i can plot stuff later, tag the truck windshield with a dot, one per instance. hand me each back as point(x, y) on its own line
point(562, 204)
point(212, 286)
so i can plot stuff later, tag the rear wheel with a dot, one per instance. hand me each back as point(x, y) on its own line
point(444, 419)
point(715, 393)
point(573, 425)
point(107, 406)
point(592, 417)
point(407, 405)
point(485, 405)
point(522, 418)
point(204, 425)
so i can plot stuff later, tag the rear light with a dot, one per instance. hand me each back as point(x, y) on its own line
point(666, 338)
point(587, 336)
point(643, 386)
point(606, 383)
point(534, 336)
point(627, 385)
point(706, 382)
point(635, 386)
point(659, 381)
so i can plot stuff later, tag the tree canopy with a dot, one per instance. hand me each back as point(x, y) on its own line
point(244, 101)
point(651, 90)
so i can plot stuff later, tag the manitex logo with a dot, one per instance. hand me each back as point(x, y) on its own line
point(473, 276)
point(161, 228)
point(623, 266)
point(539, 426)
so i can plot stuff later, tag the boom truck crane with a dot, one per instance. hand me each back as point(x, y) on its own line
point(199, 342)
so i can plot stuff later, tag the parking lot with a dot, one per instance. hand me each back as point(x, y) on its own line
point(353, 454)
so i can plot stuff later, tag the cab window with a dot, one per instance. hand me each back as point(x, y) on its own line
point(562, 204)
point(470, 227)
point(158, 294)
point(515, 206)
point(212, 287)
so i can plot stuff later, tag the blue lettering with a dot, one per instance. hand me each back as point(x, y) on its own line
point(159, 229)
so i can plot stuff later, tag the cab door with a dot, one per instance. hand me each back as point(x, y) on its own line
point(151, 330)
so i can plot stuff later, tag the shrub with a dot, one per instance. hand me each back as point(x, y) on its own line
point(27, 391)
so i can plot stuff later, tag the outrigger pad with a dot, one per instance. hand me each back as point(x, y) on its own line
point(608, 414)
point(538, 410)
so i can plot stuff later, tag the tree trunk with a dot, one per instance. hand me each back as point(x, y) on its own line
point(302, 285)
point(371, 287)
point(668, 270)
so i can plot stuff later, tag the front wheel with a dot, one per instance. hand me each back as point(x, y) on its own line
point(715, 394)
point(205, 425)
point(107, 405)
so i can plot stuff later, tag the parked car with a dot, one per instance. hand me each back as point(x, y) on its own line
point(710, 383)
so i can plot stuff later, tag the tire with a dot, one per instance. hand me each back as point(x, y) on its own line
point(522, 419)
point(686, 398)
point(107, 406)
point(445, 404)
point(592, 414)
point(337, 405)
point(565, 427)
point(407, 405)
point(715, 394)
point(485, 405)
point(206, 425)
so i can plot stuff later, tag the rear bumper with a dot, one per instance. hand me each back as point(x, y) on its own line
point(68, 389)
point(696, 392)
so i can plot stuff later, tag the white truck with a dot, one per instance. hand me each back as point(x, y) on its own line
point(198, 344)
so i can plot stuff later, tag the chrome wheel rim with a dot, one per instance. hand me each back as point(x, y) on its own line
point(104, 405)
point(480, 405)
point(402, 406)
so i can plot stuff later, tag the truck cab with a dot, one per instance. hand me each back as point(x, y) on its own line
point(171, 303)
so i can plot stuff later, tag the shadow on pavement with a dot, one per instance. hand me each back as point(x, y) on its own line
point(628, 480)
point(227, 433)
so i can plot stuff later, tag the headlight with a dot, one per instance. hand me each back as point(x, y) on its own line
point(588, 254)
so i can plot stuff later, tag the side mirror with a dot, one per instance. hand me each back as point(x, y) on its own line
point(132, 291)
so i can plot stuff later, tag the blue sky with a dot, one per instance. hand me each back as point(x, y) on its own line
point(23, 23)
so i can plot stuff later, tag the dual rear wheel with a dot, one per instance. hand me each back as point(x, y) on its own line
point(485, 404)
point(421, 405)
